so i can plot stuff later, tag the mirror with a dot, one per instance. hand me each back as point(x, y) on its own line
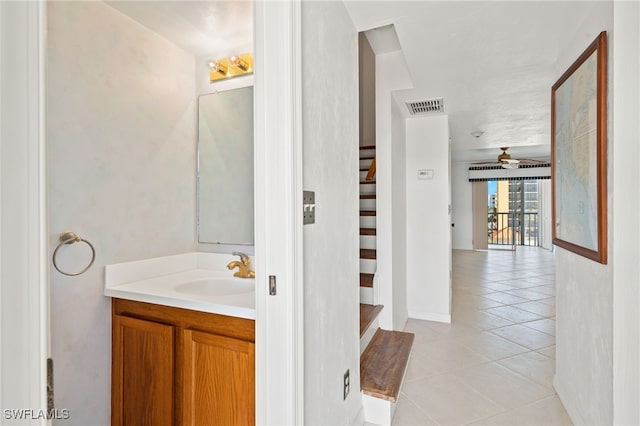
point(225, 167)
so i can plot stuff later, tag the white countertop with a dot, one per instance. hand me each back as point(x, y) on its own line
point(159, 280)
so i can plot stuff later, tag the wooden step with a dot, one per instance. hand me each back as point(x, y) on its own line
point(366, 280)
point(367, 196)
point(367, 254)
point(364, 147)
point(383, 363)
point(367, 314)
point(367, 157)
point(367, 212)
point(367, 231)
point(367, 182)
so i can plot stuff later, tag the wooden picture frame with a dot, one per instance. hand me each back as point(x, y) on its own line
point(579, 154)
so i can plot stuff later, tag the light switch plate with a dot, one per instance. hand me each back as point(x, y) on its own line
point(425, 174)
point(309, 207)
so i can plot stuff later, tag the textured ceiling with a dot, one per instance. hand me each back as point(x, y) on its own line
point(213, 29)
point(493, 62)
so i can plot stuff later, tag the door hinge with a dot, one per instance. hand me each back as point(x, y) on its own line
point(49, 384)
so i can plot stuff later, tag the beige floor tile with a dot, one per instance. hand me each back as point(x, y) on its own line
point(492, 346)
point(547, 412)
point(549, 290)
point(500, 287)
point(440, 357)
point(546, 325)
point(449, 401)
point(534, 366)
point(409, 414)
point(505, 298)
point(549, 352)
point(538, 308)
point(525, 336)
point(551, 301)
point(481, 320)
point(503, 386)
point(513, 314)
point(494, 364)
point(528, 294)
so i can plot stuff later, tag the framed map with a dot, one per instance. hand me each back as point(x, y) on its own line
point(579, 154)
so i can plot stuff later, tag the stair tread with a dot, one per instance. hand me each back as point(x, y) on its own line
point(367, 212)
point(367, 196)
point(383, 363)
point(367, 314)
point(363, 147)
point(367, 157)
point(367, 182)
point(366, 280)
point(367, 254)
point(367, 231)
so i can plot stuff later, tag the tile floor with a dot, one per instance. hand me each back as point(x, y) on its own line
point(494, 364)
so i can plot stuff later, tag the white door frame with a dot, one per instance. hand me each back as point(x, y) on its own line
point(24, 321)
point(278, 207)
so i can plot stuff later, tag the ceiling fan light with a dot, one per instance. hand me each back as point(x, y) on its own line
point(510, 164)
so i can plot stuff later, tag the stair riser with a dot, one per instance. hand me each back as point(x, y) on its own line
point(367, 189)
point(378, 411)
point(368, 334)
point(366, 295)
point(364, 163)
point(363, 175)
point(367, 152)
point(368, 242)
point(367, 221)
point(367, 204)
point(368, 266)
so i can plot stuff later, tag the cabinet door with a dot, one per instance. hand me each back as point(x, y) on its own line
point(218, 375)
point(143, 373)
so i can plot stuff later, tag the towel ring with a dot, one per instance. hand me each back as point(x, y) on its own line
point(67, 238)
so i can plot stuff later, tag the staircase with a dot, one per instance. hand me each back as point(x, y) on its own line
point(384, 354)
point(367, 224)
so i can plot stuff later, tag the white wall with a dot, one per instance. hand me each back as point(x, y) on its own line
point(399, 219)
point(428, 220)
point(391, 75)
point(331, 245)
point(584, 322)
point(121, 148)
point(461, 206)
point(626, 203)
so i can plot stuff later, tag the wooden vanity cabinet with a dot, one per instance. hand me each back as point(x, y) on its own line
point(173, 366)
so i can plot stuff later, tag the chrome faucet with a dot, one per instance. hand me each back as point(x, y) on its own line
point(242, 265)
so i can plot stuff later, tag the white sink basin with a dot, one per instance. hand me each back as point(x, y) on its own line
point(217, 286)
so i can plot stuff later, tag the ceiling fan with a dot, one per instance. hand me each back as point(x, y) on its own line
point(507, 162)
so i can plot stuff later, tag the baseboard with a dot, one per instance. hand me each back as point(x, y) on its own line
point(428, 316)
point(359, 418)
point(563, 395)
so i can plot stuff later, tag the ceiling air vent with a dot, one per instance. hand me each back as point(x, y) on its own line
point(425, 107)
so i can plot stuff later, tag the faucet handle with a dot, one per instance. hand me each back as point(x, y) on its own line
point(243, 257)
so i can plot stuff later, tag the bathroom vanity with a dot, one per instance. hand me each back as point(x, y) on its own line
point(183, 342)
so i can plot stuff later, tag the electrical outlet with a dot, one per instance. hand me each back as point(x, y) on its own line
point(346, 387)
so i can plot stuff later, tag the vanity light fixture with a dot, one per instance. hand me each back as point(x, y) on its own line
point(240, 63)
point(233, 66)
point(217, 67)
